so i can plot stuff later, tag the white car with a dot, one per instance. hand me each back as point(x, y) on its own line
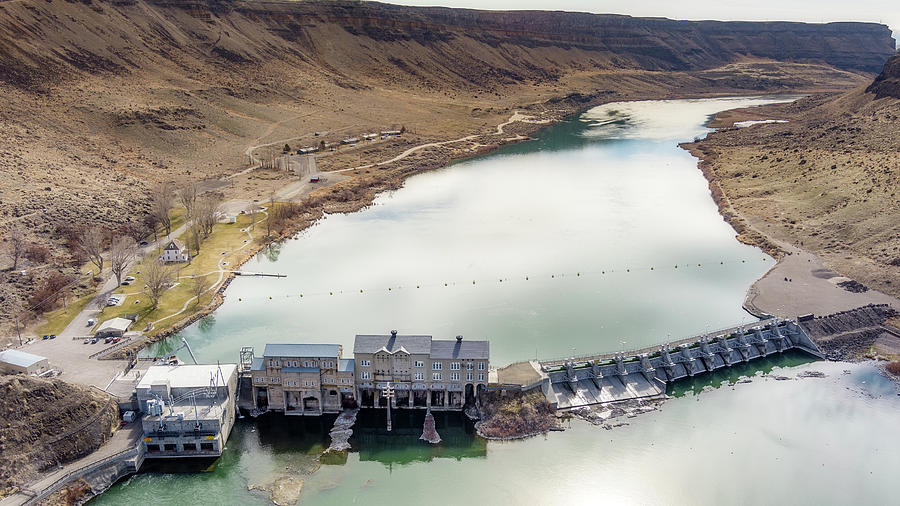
point(113, 301)
point(129, 278)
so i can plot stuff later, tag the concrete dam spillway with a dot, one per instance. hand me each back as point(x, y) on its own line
point(603, 379)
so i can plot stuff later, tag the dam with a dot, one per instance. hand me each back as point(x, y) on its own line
point(610, 378)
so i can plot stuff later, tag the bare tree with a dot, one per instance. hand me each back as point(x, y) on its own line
point(121, 253)
point(161, 204)
point(194, 239)
point(188, 198)
point(158, 278)
point(200, 286)
point(251, 211)
point(205, 213)
point(16, 246)
point(270, 213)
point(91, 241)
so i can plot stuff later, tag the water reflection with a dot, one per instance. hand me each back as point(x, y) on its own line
point(402, 445)
point(731, 375)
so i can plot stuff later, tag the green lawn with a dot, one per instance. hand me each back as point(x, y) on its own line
point(224, 239)
point(58, 319)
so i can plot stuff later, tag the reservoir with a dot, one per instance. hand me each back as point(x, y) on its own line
point(599, 235)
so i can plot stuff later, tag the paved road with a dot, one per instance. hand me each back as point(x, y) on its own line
point(124, 439)
point(70, 355)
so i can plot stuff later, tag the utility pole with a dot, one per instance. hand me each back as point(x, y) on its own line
point(18, 330)
point(389, 394)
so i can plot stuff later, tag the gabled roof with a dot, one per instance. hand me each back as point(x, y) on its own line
point(460, 349)
point(115, 324)
point(258, 364)
point(302, 350)
point(392, 344)
point(19, 358)
point(174, 244)
point(346, 365)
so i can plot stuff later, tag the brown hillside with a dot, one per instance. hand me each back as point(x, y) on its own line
point(887, 84)
point(48, 422)
point(101, 99)
point(827, 181)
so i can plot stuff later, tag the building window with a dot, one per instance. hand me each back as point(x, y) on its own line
point(365, 363)
point(420, 376)
point(365, 375)
point(271, 379)
point(295, 363)
point(270, 362)
point(436, 366)
point(436, 376)
point(469, 376)
point(278, 379)
point(480, 366)
point(481, 376)
point(469, 366)
point(420, 363)
point(277, 363)
point(454, 376)
point(454, 366)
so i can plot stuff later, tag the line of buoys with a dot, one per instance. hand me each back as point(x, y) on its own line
point(499, 280)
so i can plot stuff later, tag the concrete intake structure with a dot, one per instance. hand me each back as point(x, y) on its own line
point(575, 384)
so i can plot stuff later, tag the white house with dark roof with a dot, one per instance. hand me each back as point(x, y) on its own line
point(174, 251)
point(302, 379)
point(424, 372)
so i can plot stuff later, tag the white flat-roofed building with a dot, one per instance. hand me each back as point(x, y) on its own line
point(114, 327)
point(188, 410)
point(20, 362)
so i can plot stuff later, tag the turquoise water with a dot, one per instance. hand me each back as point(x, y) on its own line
point(572, 224)
point(566, 244)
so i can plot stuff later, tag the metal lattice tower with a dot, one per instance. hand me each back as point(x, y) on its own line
point(246, 362)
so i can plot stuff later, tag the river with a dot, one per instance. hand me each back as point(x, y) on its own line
point(599, 235)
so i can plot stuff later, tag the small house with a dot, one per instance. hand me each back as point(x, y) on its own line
point(174, 252)
point(114, 327)
point(20, 362)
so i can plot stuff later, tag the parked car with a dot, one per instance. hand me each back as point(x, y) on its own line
point(126, 283)
point(107, 340)
point(143, 243)
point(116, 339)
point(91, 322)
point(45, 336)
point(129, 278)
point(94, 341)
point(52, 336)
point(87, 340)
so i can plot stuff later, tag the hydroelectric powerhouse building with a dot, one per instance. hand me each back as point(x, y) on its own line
point(422, 372)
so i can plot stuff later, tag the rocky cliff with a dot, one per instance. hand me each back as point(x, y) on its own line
point(887, 84)
point(50, 39)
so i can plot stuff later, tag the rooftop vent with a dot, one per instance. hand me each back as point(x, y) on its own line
point(458, 339)
point(393, 333)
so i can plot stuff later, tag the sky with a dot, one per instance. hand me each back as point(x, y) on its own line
point(813, 11)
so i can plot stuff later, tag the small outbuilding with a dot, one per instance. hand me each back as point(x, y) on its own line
point(174, 251)
point(114, 327)
point(20, 362)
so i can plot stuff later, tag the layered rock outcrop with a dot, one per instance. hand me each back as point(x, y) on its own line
point(887, 84)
